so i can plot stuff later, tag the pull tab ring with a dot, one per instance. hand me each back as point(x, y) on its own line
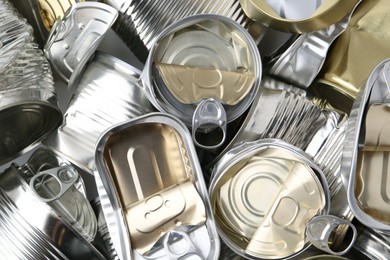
point(209, 115)
point(320, 229)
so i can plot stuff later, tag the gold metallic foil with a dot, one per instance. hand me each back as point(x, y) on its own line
point(355, 53)
point(372, 188)
point(155, 184)
point(329, 12)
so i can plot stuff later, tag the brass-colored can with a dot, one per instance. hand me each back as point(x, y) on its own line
point(297, 16)
point(355, 54)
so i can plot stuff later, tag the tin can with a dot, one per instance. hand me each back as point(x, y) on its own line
point(257, 202)
point(344, 75)
point(42, 14)
point(34, 227)
point(28, 102)
point(86, 118)
point(366, 151)
point(140, 22)
point(205, 70)
point(166, 212)
point(297, 16)
point(74, 39)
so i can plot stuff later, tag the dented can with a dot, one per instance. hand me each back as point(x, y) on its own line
point(297, 16)
point(86, 118)
point(28, 102)
point(263, 195)
point(152, 191)
point(206, 71)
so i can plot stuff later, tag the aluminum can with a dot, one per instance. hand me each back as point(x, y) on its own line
point(347, 67)
point(166, 213)
point(259, 210)
point(297, 16)
point(366, 152)
point(28, 102)
point(206, 71)
point(140, 22)
point(96, 105)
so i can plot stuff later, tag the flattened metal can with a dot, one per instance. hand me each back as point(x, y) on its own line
point(366, 151)
point(96, 105)
point(140, 22)
point(205, 70)
point(28, 102)
point(152, 191)
point(263, 194)
point(343, 75)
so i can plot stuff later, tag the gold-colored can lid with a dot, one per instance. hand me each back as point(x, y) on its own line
point(300, 16)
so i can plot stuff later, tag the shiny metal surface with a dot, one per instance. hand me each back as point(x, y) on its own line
point(30, 229)
point(235, 52)
point(303, 60)
point(297, 16)
point(372, 244)
point(41, 14)
point(276, 221)
point(74, 39)
point(140, 22)
point(57, 188)
point(375, 92)
point(96, 105)
point(28, 102)
point(168, 197)
point(321, 229)
point(344, 72)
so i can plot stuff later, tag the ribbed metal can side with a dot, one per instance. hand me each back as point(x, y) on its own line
point(20, 240)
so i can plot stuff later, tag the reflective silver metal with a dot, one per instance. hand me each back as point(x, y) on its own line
point(30, 229)
point(75, 38)
point(233, 54)
point(108, 93)
point(183, 241)
point(56, 187)
point(303, 60)
point(320, 230)
point(235, 158)
point(372, 244)
point(141, 21)
point(28, 102)
point(375, 92)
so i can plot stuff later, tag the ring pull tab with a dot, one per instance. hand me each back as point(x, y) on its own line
point(209, 119)
point(321, 232)
point(186, 246)
point(50, 185)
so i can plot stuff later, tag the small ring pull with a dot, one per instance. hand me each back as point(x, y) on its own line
point(50, 185)
point(190, 250)
point(209, 115)
point(320, 229)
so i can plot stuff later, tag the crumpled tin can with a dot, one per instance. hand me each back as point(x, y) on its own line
point(205, 70)
point(347, 67)
point(28, 102)
point(45, 217)
point(297, 16)
point(96, 105)
point(140, 22)
point(263, 195)
point(366, 151)
point(42, 14)
point(74, 39)
point(152, 191)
